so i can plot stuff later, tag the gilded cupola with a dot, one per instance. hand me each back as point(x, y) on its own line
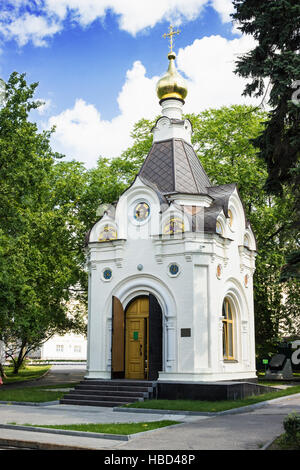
point(172, 84)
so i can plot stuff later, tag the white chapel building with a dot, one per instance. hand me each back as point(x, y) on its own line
point(171, 267)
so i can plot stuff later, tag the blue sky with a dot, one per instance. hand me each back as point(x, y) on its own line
point(97, 63)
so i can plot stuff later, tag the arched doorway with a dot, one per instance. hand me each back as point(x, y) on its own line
point(137, 339)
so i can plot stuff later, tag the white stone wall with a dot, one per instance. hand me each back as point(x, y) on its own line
point(139, 261)
point(67, 347)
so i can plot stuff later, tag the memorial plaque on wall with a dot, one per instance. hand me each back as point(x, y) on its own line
point(185, 333)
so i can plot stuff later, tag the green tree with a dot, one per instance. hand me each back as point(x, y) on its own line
point(40, 261)
point(274, 67)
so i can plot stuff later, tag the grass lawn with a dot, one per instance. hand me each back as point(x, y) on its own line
point(33, 394)
point(211, 406)
point(30, 373)
point(114, 428)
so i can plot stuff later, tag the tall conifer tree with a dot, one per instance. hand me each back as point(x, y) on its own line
point(274, 69)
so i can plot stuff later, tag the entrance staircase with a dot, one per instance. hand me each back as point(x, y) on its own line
point(109, 393)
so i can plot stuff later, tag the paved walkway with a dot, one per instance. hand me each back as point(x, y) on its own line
point(250, 430)
point(244, 430)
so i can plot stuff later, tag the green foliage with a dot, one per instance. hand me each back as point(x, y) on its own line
point(39, 255)
point(12, 362)
point(222, 141)
point(291, 426)
point(275, 63)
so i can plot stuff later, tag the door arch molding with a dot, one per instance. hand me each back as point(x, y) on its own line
point(136, 286)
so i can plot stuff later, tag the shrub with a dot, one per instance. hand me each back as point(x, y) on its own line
point(291, 426)
point(23, 366)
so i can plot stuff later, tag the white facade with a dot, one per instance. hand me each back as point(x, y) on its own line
point(211, 267)
point(68, 347)
point(213, 255)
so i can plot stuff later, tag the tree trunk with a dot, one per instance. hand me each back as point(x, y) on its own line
point(19, 361)
point(2, 373)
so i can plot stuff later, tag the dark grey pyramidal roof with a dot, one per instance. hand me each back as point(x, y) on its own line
point(172, 166)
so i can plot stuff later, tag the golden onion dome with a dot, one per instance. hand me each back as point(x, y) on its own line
point(172, 84)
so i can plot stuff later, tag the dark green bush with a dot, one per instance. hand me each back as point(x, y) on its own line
point(291, 426)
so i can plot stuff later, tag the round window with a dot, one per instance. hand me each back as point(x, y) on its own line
point(141, 211)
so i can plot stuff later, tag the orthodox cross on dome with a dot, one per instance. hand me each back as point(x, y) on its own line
point(170, 35)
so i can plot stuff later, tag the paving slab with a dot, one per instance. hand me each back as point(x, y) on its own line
point(34, 440)
point(74, 414)
point(244, 431)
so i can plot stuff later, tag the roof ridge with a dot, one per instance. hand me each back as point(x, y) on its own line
point(175, 168)
point(189, 163)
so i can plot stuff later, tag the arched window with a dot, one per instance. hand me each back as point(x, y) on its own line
point(230, 216)
point(246, 241)
point(219, 228)
point(174, 225)
point(228, 331)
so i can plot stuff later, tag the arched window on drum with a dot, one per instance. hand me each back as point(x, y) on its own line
point(228, 330)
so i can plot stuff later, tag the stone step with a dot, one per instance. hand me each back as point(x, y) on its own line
point(131, 383)
point(116, 393)
point(67, 401)
point(108, 388)
point(79, 396)
point(109, 392)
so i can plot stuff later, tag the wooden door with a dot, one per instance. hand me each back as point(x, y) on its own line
point(136, 349)
point(117, 351)
point(155, 338)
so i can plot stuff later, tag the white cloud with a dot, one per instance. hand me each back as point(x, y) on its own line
point(224, 8)
point(30, 28)
point(134, 15)
point(82, 134)
point(47, 17)
point(208, 63)
point(45, 106)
